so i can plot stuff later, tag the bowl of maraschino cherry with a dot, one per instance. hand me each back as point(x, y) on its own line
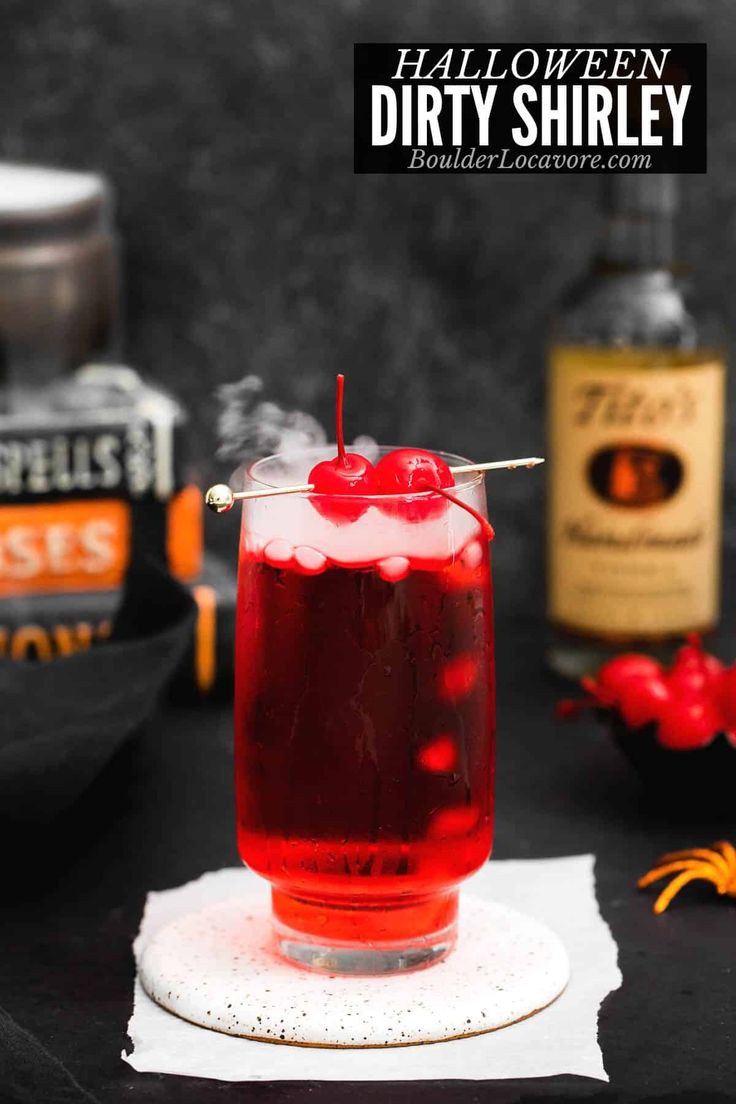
point(676, 724)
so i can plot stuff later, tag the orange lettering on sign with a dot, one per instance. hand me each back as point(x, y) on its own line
point(63, 546)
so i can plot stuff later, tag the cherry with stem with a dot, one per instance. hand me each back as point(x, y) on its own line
point(347, 474)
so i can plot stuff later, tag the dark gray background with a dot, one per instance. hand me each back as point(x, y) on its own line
point(226, 127)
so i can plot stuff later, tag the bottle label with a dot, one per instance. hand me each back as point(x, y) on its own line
point(84, 544)
point(636, 457)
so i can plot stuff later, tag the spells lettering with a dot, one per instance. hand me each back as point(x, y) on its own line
point(69, 463)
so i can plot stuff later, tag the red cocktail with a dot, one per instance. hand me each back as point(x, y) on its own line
point(364, 715)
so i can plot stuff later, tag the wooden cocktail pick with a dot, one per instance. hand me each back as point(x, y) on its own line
point(220, 498)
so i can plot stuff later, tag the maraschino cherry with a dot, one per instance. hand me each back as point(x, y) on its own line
point(614, 674)
point(689, 704)
point(644, 699)
point(688, 722)
point(348, 474)
point(406, 471)
point(726, 697)
point(694, 670)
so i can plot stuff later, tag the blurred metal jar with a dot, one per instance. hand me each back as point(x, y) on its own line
point(58, 277)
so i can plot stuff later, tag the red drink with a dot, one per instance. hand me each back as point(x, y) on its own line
point(364, 721)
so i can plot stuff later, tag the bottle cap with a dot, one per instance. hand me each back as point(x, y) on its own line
point(39, 204)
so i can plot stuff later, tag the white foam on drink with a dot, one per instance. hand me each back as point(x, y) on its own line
point(380, 535)
point(281, 534)
point(394, 568)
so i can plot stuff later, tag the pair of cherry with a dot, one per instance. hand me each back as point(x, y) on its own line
point(399, 472)
point(403, 471)
point(690, 703)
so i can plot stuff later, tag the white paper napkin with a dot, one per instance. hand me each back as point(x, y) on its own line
point(561, 1039)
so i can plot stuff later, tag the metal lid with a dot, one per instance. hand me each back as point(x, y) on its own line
point(39, 203)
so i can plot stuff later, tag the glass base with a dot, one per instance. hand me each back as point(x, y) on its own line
point(365, 938)
point(362, 960)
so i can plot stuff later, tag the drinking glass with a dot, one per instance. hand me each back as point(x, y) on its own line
point(364, 714)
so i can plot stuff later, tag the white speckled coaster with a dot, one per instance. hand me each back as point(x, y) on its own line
point(217, 968)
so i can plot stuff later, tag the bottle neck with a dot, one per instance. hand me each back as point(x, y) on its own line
point(637, 241)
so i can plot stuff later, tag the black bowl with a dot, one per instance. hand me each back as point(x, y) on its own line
point(700, 780)
point(61, 721)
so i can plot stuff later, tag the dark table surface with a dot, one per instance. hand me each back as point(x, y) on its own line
point(162, 813)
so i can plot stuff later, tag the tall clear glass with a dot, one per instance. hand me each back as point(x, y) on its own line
point(364, 715)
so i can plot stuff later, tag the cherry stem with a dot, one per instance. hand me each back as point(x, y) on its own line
point(695, 641)
point(569, 709)
point(340, 391)
point(595, 698)
point(488, 530)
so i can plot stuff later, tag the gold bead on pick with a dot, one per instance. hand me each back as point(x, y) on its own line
point(220, 498)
